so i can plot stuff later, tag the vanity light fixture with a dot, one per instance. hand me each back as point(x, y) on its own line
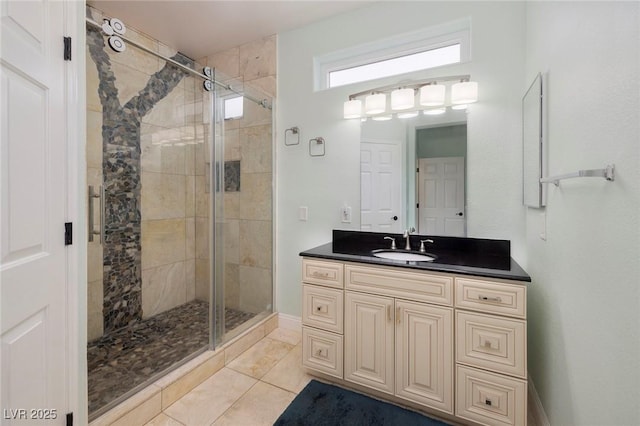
point(465, 92)
point(375, 103)
point(402, 99)
point(353, 108)
point(432, 95)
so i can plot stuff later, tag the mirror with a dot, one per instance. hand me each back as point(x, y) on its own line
point(532, 145)
point(413, 174)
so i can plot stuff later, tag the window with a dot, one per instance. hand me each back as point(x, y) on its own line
point(233, 107)
point(431, 47)
point(400, 65)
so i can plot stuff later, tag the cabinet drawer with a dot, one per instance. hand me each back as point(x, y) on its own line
point(394, 282)
point(490, 296)
point(322, 351)
point(323, 308)
point(322, 272)
point(490, 399)
point(492, 343)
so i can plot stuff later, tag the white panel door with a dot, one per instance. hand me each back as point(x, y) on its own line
point(32, 213)
point(381, 186)
point(441, 196)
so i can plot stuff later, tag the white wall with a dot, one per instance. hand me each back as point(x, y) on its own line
point(324, 184)
point(584, 306)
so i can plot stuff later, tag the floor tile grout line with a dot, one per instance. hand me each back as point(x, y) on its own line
point(172, 418)
point(257, 380)
point(237, 399)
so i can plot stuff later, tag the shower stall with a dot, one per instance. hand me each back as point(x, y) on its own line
point(180, 210)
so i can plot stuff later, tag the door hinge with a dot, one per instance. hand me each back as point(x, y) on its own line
point(417, 205)
point(69, 419)
point(67, 48)
point(68, 233)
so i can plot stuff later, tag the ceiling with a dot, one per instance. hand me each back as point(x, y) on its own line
point(201, 28)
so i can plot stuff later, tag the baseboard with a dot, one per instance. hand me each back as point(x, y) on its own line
point(290, 322)
point(535, 406)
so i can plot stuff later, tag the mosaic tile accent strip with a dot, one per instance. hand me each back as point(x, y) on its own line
point(126, 358)
point(232, 176)
point(122, 304)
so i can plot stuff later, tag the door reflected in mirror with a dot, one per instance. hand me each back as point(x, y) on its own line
point(413, 174)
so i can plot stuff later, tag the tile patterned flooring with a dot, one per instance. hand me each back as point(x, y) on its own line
point(253, 389)
point(126, 358)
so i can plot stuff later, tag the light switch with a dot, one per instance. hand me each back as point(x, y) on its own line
point(303, 213)
point(345, 214)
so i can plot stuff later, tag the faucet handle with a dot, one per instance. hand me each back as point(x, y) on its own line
point(422, 249)
point(393, 242)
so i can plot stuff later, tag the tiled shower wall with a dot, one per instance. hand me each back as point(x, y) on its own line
point(172, 205)
point(248, 145)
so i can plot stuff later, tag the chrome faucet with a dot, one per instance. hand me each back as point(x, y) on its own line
point(406, 234)
point(393, 242)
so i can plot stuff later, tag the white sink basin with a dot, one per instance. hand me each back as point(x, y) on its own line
point(403, 255)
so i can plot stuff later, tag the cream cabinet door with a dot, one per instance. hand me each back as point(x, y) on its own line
point(424, 354)
point(369, 341)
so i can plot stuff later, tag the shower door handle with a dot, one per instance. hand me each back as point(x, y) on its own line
point(92, 196)
point(207, 177)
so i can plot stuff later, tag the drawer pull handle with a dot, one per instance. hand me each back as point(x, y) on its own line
point(487, 402)
point(487, 344)
point(320, 274)
point(489, 299)
point(398, 316)
point(319, 308)
point(388, 312)
point(320, 353)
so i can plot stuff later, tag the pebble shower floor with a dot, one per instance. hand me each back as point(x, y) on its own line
point(126, 358)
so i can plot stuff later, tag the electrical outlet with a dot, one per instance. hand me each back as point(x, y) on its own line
point(345, 214)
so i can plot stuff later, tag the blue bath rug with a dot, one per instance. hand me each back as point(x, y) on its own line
point(320, 404)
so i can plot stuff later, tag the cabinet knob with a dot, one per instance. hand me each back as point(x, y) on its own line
point(487, 402)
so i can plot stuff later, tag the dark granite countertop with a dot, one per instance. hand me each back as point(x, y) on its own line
point(468, 256)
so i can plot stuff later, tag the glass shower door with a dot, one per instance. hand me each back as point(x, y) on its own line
point(148, 289)
point(243, 239)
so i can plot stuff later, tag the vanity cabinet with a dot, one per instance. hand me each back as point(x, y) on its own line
point(400, 346)
point(445, 342)
point(322, 316)
point(491, 351)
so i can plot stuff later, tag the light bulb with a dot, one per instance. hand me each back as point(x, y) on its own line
point(432, 95)
point(375, 104)
point(465, 92)
point(353, 108)
point(402, 99)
